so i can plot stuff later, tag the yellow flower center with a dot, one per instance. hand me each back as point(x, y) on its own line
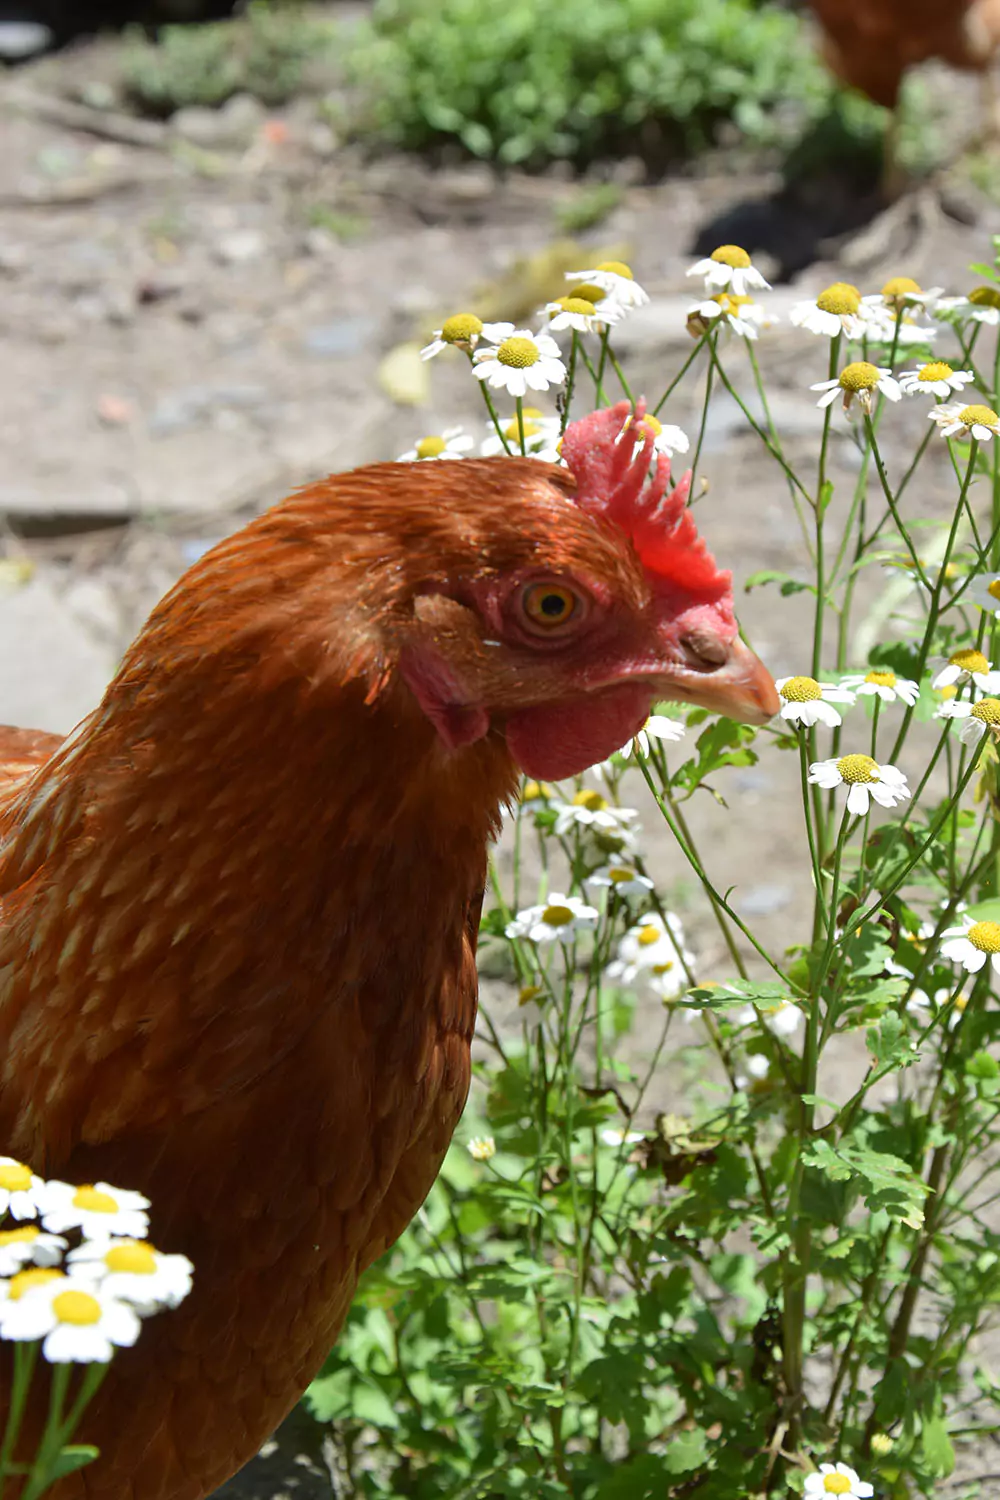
point(985, 936)
point(619, 874)
point(513, 433)
point(78, 1308)
point(860, 376)
point(131, 1256)
point(801, 690)
point(961, 1003)
point(431, 447)
point(534, 791)
point(461, 328)
point(36, 1276)
point(731, 255)
point(900, 286)
point(985, 296)
point(591, 800)
point(648, 935)
point(619, 268)
point(557, 916)
point(93, 1202)
point(881, 679)
point(575, 305)
point(14, 1177)
point(586, 292)
point(857, 768)
point(518, 353)
point(836, 1484)
point(528, 993)
point(840, 299)
point(987, 711)
point(982, 416)
point(948, 691)
point(22, 1236)
point(730, 303)
point(663, 968)
point(969, 661)
point(653, 424)
point(937, 371)
point(994, 589)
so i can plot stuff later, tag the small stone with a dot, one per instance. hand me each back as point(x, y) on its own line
point(340, 339)
point(114, 411)
point(21, 39)
point(240, 248)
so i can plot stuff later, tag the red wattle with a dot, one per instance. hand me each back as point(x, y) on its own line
point(556, 740)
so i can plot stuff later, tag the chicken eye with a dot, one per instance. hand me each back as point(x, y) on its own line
point(550, 604)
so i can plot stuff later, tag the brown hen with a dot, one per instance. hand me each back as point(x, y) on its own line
point(239, 905)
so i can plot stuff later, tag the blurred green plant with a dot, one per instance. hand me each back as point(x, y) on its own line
point(267, 53)
point(527, 82)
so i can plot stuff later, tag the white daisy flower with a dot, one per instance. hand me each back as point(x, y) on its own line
point(463, 331)
point(880, 682)
point(983, 305)
point(589, 809)
point(956, 420)
point(666, 439)
point(881, 327)
point(78, 1321)
point(901, 292)
point(979, 717)
point(581, 314)
point(935, 379)
point(837, 1479)
point(555, 921)
point(985, 591)
point(656, 727)
point(757, 1069)
point(616, 281)
point(19, 1189)
point(729, 268)
point(965, 666)
point(782, 1018)
point(482, 1148)
point(624, 879)
point(859, 379)
point(540, 433)
point(972, 944)
point(134, 1272)
point(520, 362)
point(618, 1138)
point(97, 1208)
point(806, 701)
point(452, 443)
point(741, 315)
point(864, 778)
point(29, 1245)
point(655, 950)
point(836, 310)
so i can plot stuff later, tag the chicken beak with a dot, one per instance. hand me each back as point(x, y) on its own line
point(740, 687)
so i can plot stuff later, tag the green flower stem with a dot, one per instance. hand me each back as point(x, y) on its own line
point(875, 716)
point(25, 1356)
point(599, 395)
point(868, 1287)
point(935, 605)
point(484, 387)
point(706, 403)
point(789, 472)
point(776, 440)
point(52, 1435)
point(681, 373)
point(567, 391)
point(807, 788)
point(519, 410)
point(891, 502)
point(617, 368)
point(868, 541)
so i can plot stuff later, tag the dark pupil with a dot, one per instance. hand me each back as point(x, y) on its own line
point(553, 605)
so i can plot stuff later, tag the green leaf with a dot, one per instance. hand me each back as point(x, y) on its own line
point(789, 585)
point(888, 1042)
point(983, 1065)
point(686, 1452)
point(890, 1183)
point(74, 1456)
point(939, 1455)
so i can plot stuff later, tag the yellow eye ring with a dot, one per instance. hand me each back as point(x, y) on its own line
point(549, 605)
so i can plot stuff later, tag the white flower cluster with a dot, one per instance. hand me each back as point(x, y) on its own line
point(80, 1301)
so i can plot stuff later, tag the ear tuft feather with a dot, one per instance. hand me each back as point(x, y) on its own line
point(611, 467)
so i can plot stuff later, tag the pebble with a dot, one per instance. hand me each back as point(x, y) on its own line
point(343, 337)
point(232, 127)
point(195, 403)
point(21, 39)
point(240, 248)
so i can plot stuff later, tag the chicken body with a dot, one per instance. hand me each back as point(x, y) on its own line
point(870, 45)
point(238, 907)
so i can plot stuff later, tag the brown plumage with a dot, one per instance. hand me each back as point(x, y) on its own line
point(870, 44)
point(238, 907)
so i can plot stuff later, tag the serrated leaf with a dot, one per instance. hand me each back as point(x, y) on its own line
point(939, 1455)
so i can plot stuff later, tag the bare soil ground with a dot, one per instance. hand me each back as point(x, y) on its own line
point(183, 341)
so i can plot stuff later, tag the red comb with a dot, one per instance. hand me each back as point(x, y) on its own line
point(613, 481)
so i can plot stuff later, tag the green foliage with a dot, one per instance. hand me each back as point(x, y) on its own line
point(267, 54)
point(528, 82)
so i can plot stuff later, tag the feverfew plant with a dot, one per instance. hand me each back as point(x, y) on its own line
point(77, 1278)
point(773, 1292)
